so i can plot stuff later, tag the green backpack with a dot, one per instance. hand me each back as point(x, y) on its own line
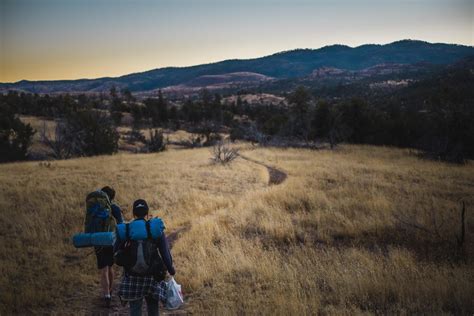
point(98, 213)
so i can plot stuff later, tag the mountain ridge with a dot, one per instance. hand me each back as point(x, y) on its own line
point(281, 65)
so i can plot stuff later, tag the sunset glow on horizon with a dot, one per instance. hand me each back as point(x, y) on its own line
point(52, 39)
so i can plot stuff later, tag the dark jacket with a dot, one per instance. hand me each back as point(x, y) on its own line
point(164, 249)
point(117, 213)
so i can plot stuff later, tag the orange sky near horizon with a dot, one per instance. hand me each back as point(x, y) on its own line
point(53, 39)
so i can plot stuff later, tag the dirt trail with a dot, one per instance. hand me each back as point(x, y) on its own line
point(173, 236)
point(97, 307)
point(275, 176)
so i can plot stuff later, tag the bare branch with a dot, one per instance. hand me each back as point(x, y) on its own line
point(223, 153)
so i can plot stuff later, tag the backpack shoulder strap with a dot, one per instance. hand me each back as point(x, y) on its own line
point(127, 231)
point(148, 230)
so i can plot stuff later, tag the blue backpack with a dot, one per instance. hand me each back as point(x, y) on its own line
point(139, 254)
point(98, 213)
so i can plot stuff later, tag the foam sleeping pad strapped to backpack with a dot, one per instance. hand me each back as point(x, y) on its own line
point(139, 255)
point(138, 231)
point(98, 213)
point(104, 239)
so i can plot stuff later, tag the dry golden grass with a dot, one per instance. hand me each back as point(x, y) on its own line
point(323, 242)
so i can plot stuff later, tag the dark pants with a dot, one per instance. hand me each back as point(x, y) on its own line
point(151, 305)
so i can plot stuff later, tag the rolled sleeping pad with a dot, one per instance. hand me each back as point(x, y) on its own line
point(103, 239)
point(156, 227)
point(137, 229)
point(82, 240)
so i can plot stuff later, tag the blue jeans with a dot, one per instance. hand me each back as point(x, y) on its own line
point(151, 305)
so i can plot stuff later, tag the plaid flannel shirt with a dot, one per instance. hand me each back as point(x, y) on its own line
point(136, 287)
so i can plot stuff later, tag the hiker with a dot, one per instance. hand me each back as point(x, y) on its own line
point(116, 210)
point(150, 256)
point(105, 255)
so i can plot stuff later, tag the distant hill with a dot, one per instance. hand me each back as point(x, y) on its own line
point(218, 82)
point(283, 65)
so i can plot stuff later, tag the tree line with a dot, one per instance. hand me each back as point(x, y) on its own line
point(434, 116)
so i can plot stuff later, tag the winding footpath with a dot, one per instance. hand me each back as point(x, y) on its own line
point(275, 177)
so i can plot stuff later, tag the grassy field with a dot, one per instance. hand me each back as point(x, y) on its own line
point(357, 230)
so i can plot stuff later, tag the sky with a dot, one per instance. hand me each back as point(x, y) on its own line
point(72, 39)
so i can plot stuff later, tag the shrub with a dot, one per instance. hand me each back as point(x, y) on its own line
point(93, 133)
point(135, 135)
point(249, 132)
point(157, 141)
point(61, 144)
point(208, 132)
point(86, 133)
point(15, 137)
point(223, 153)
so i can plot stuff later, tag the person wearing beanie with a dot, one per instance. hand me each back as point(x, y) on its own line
point(135, 288)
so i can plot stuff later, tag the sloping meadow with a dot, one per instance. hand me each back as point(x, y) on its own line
point(43, 204)
point(355, 230)
point(329, 240)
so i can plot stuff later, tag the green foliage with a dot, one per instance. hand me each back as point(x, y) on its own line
point(227, 118)
point(15, 137)
point(273, 125)
point(300, 100)
point(236, 133)
point(116, 117)
point(90, 133)
point(157, 110)
point(157, 141)
point(191, 111)
point(322, 120)
point(433, 113)
point(135, 135)
point(116, 105)
point(127, 95)
point(299, 121)
point(138, 115)
point(208, 131)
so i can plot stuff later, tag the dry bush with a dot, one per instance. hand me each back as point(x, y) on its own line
point(223, 153)
point(157, 141)
point(134, 135)
point(58, 142)
point(191, 141)
point(325, 241)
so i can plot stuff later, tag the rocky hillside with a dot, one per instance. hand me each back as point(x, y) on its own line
point(289, 64)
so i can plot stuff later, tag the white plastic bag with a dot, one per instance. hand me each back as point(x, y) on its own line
point(174, 296)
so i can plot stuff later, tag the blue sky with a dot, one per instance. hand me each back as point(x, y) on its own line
point(66, 39)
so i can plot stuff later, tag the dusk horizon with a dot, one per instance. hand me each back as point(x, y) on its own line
point(54, 40)
point(235, 58)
